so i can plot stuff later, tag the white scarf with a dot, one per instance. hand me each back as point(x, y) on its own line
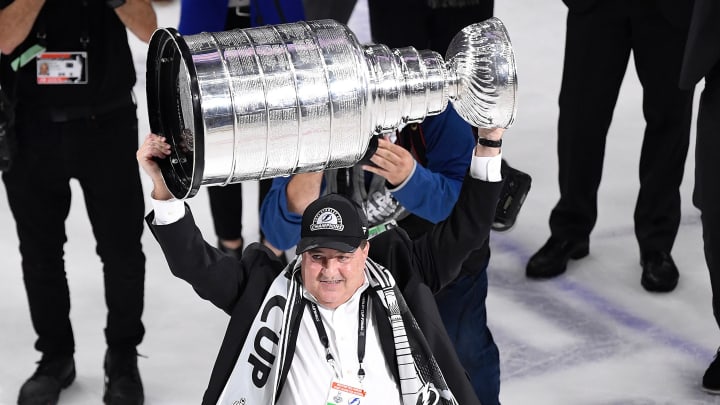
point(255, 379)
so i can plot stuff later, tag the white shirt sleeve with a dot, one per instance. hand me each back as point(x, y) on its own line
point(486, 168)
point(167, 211)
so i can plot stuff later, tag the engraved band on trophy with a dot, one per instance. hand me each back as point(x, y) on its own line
point(270, 101)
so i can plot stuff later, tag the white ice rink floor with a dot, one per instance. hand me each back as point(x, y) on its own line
point(592, 336)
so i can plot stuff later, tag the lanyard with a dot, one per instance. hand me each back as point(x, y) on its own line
point(362, 333)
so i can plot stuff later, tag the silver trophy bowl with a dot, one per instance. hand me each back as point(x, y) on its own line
point(270, 101)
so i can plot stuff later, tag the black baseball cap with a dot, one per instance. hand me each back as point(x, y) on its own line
point(332, 221)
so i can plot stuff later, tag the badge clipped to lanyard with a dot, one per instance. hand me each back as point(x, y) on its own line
point(62, 68)
point(344, 394)
point(342, 391)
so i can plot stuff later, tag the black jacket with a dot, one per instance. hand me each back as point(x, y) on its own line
point(420, 267)
point(677, 12)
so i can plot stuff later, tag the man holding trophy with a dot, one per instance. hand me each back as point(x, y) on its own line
point(353, 322)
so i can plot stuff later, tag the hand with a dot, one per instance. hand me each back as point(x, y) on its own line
point(394, 162)
point(154, 147)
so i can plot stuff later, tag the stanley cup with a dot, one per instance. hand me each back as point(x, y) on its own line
point(257, 103)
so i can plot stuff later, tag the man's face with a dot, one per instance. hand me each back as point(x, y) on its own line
point(332, 276)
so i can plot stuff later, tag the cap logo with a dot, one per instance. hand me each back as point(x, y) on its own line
point(327, 218)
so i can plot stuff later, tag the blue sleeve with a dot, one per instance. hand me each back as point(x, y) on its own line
point(431, 192)
point(198, 16)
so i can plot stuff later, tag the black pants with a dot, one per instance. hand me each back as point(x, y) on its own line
point(707, 188)
point(100, 153)
point(421, 26)
point(226, 208)
point(597, 50)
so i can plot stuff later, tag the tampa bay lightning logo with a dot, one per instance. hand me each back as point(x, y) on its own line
point(327, 218)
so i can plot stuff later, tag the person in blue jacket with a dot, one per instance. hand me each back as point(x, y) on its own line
point(415, 190)
point(429, 192)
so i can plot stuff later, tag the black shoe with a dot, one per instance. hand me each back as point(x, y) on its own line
point(44, 386)
point(515, 188)
point(711, 379)
point(659, 272)
point(122, 378)
point(237, 252)
point(551, 260)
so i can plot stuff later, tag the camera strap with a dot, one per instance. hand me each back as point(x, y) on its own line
point(8, 142)
point(8, 96)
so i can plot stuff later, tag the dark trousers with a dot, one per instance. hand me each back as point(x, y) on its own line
point(226, 208)
point(707, 187)
point(463, 311)
point(597, 50)
point(100, 153)
point(422, 27)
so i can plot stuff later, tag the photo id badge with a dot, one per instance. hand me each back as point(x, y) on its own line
point(62, 68)
point(345, 394)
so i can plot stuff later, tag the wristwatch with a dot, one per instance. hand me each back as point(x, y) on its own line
point(489, 142)
point(114, 3)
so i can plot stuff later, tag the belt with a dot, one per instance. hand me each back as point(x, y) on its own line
point(65, 114)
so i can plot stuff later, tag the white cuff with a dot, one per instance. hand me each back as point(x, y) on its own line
point(167, 211)
point(486, 168)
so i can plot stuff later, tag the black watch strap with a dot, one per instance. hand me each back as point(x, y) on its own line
point(114, 3)
point(489, 142)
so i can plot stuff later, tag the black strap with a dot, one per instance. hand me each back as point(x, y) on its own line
point(9, 95)
point(362, 333)
point(412, 138)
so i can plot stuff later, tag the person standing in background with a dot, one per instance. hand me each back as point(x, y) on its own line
point(77, 121)
point(601, 34)
point(217, 15)
point(702, 59)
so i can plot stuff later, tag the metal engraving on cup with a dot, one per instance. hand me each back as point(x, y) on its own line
point(276, 100)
